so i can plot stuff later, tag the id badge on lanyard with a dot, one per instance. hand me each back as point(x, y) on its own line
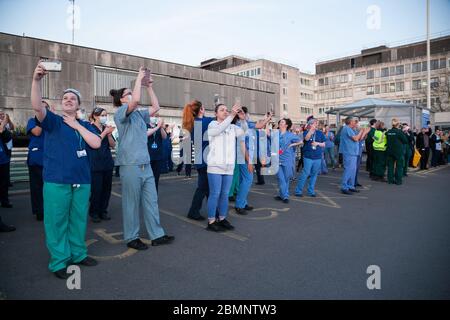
point(80, 152)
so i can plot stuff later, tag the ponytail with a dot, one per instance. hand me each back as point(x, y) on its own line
point(190, 111)
point(117, 95)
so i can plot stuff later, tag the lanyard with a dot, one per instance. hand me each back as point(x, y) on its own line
point(80, 140)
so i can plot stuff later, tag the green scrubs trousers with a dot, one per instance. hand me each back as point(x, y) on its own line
point(66, 210)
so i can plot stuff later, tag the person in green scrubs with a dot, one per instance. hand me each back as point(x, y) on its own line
point(67, 177)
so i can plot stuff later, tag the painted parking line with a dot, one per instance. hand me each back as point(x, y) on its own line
point(229, 234)
point(430, 171)
point(329, 203)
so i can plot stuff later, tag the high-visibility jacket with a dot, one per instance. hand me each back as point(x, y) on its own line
point(379, 140)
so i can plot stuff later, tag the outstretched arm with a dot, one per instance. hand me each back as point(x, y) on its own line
point(36, 96)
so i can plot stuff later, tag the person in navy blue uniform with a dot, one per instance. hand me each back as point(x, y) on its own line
point(156, 135)
point(5, 158)
point(102, 165)
point(195, 123)
point(67, 177)
point(35, 162)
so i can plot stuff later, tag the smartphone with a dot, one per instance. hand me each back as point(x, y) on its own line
point(52, 65)
point(146, 79)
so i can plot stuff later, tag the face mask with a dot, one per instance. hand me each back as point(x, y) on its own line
point(129, 97)
point(103, 119)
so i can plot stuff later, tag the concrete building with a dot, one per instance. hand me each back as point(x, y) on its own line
point(94, 72)
point(296, 87)
point(397, 73)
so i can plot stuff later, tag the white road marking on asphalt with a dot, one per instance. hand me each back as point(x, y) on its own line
point(229, 234)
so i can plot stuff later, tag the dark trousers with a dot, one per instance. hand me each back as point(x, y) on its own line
point(435, 158)
point(259, 176)
point(424, 154)
point(36, 189)
point(156, 168)
point(101, 182)
point(369, 161)
point(4, 183)
point(201, 192)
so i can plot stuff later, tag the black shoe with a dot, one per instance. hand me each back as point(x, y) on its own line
point(232, 199)
point(260, 183)
point(353, 190)
point(358, 185)
point(7, 205)
point(278, 198)
point(198, 218)
point(215, 226)
point(285, 200)
point(241, 211)
point(137, 244)
point(248, 208)
point(39, 216)
point(347, 192)
point(95, 219)
point(6, 228)
point(105, 217)
point(62, 274)
point(88, 262)
point(163, 240)
point(225, 224)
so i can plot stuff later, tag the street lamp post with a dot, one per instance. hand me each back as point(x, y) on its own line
point(73, 21)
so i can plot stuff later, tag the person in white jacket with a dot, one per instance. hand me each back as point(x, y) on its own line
point(221, 160)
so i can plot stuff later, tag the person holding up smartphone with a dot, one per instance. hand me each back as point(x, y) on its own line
point(67, 177)
point(138, 182)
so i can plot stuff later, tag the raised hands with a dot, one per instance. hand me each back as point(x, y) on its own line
point(39, 72)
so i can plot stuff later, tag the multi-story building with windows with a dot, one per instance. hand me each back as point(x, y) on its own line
point(296, 87)
point(396, 73)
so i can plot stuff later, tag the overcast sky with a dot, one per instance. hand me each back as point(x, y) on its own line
point(299, 33)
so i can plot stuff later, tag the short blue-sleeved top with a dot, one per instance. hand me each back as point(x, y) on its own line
point(36, 145)
point(308, 151)
point(132, 130)
point(347, 145)
point(287, 155)
point(101, 158)
point(61, 162)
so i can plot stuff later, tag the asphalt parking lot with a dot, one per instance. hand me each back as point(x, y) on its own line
point(311, 248)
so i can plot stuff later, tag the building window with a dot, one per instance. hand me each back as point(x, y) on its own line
point(285, 107)
point(408, 68)
point(442, 63)
point(384, 88)
point(370, 74)
point(416, 84)
point(399, 70)
point(284, 75)
point(384, 72)
point(399, 86)
point(424, 66)
point(392, 71)
point(285, 91)
point(45, 87)
point(370, 90)
point(392, 87)
point(360, 77)
point(258, 71)
point(377, 89)
point(434, 64)
point(417, 67)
